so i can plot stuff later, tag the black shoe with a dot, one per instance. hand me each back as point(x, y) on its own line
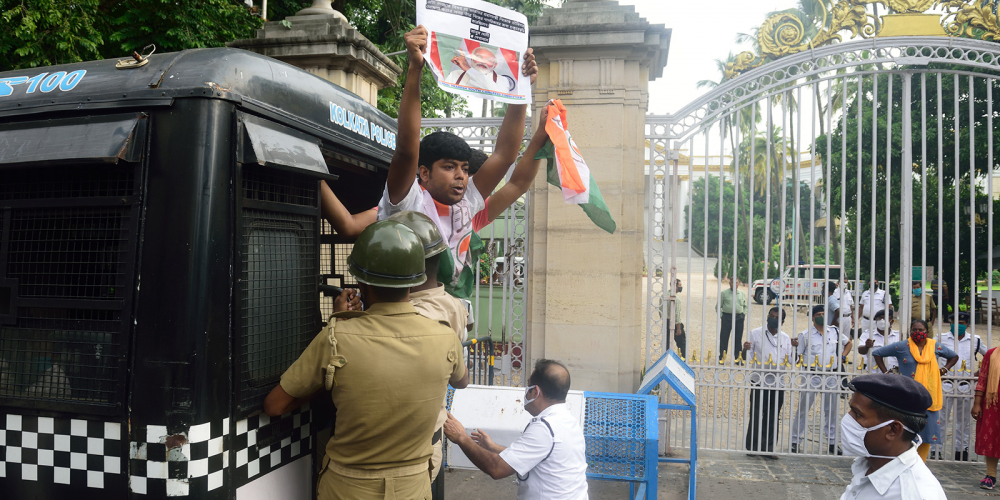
point(958, 456)
point(795, 448)
point(965, 455)
point(770, 457)
point(834, 449)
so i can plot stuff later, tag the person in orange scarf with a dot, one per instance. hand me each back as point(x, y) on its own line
point(917, 358)
point(987, 414)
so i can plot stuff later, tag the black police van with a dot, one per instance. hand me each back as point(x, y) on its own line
point(161, 248)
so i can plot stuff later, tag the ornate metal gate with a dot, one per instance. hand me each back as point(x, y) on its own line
point(817, 163)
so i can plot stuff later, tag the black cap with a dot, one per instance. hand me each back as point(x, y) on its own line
point(881, 314)
point(817, 309)
point(896, 392)
point(962, 316)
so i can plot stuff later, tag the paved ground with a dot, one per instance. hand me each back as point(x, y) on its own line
point(735, 475)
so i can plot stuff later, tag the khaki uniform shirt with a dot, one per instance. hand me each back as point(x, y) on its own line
point(438, 305)
point(389, 392)
point(924, 313)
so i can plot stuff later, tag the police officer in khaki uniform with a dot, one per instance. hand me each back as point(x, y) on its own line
point(386, 369)
point(430, 300)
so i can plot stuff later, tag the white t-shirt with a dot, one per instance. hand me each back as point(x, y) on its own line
point(454, 222)
point(550, 460)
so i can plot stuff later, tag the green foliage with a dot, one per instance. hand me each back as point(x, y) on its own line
point(46, 32)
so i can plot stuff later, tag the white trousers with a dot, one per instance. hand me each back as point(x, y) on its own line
point(830, 410)
point(959, 410)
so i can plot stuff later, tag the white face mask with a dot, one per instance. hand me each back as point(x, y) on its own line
point(528, 390)
point(881, 325)
point(852, 437)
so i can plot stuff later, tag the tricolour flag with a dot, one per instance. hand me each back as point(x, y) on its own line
point(568, 170)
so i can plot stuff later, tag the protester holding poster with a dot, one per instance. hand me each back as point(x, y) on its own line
point(475, 49)
point(431, 175)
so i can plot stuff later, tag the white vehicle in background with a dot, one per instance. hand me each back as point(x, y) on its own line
point(797, 282)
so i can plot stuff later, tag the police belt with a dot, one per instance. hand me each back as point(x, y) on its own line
point(406, 470)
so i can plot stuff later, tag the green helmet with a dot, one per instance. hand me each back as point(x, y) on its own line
point(425, 228)
point(388, 254)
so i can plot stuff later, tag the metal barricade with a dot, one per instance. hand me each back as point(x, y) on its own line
point(621, 435)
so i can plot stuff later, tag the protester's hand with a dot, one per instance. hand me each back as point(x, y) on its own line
point(416, 44)
point(943, 370)
point(453, 429)
point(977, 411)
point(482, 439)
point(543, 115)
point(460, 61)
point(746, 346)
point(530, 67)
point(869, 343)
point(348, 300)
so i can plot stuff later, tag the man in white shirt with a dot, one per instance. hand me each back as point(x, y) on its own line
point(550, 457)
point(846, 300)
point(872, 301)
point(871, 340)
point(887, 412)
point(820, 351)
point(958, 392)
point(431, 175)
point(768, 351)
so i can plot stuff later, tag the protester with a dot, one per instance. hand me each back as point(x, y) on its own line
point(887, 413)
point(766, 350)
point(917, 359)
point(987, 415)
point(550, 456)
point(431, 301)
point(923, 306)
point(822, 351)
point(872, 301)
point(957, 403)
point(431, 175)
point(386, 369)
point(882, 335)
point(732, 307)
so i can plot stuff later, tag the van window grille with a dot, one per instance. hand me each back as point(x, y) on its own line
point(278, 279)
point(69, 271)
point(68, 252)
point(277, 186)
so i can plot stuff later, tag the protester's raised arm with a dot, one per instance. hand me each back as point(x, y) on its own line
point(403, 167)
point(344, 222)
point(522, 176)
point(508, 138)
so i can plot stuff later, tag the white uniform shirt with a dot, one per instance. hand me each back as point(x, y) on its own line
point(766, 346)
point(879, 340)
point(454, 222)
point(966, 345)
point(550, 460)
point(813, 344)
point(906, 477)
point(878, 302)
point(846, 305)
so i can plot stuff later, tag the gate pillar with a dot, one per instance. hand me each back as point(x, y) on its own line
point(586, 285)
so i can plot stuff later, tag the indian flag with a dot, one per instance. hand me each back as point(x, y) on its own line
point(568, 170)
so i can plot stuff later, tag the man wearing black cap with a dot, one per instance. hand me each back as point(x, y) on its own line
point(887, 412)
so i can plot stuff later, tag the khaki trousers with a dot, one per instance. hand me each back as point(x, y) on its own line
point(337, 482)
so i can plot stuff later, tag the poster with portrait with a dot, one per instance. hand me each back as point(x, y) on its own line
point(475, 49)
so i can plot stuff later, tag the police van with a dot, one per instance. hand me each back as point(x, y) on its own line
point(161, 251)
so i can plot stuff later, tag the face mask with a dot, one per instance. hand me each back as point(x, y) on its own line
point(818, 320)
point(852, 436)
point(918, 336)
point(772, 324)
point(880, 324)
point(527, 390)
point(961, 330)
point(917, 292)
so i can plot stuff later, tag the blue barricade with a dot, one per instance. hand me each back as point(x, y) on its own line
point(622, 435)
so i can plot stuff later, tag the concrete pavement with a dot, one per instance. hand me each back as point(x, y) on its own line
point(726, 476)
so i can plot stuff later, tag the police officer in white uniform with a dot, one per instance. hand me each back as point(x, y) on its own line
point(882, 335)
point(846, 300)
point(550, 456)
point(821, 352)
point(958, 395)
point(872, 301)
point(887, 412)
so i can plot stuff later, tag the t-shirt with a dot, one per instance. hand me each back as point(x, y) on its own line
point(455, 224)
point(389, 392)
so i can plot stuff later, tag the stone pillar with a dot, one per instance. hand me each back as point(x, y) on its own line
point(586, 290)
point(319, 40)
